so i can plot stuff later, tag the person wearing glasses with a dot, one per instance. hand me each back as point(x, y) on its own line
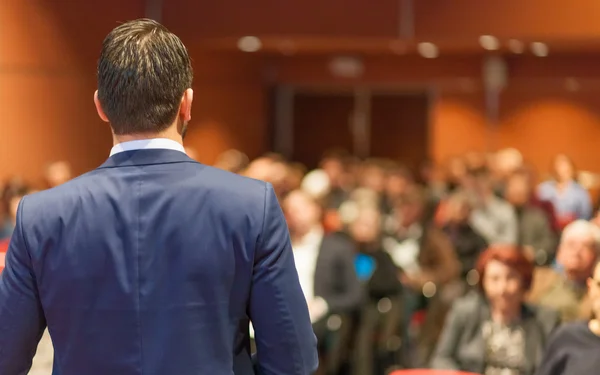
point(574, 348)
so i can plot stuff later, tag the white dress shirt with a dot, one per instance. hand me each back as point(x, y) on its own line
point(306, 251)
point(147, 144)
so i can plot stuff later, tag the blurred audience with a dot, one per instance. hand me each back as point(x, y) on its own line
point(384, 252)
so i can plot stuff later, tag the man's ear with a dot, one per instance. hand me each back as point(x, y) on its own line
point(185, 109)
point(99, 108)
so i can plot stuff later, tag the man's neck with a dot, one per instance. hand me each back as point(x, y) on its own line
point(174, 136)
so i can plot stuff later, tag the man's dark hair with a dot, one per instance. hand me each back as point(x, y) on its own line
point(143, 71)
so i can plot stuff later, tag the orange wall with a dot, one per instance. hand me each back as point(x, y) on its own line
point(539, 122)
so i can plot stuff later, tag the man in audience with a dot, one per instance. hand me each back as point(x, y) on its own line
point(534, 232)
point(564, 286)
point(492, 217)
point(325, 263)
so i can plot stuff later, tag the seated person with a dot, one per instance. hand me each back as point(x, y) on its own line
point(380, 329)
point(563, 287)
point(468, 244)
point(573, 348)
point(534, 231)
point(493, 331)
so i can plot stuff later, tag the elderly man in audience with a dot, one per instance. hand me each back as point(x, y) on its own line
point(564, 287)
point(494, 332)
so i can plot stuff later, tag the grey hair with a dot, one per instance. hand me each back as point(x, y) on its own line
point(582, 228)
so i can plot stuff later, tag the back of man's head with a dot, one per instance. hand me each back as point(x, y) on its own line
point(143, 72)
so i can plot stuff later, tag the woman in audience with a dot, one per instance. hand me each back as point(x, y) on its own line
point(571, 201)
point(574, 348)
point(494, 332)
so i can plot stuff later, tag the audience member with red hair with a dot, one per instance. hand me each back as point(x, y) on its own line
point(493, 331)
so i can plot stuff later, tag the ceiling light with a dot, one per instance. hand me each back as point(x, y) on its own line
point(489, 42)
point(428, 50)
point(516, 46)
point(249, 44)
point(539, 49)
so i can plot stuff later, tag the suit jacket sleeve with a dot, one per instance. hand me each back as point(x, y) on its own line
point(285, 341)
point(22, 320)
point(444, 357)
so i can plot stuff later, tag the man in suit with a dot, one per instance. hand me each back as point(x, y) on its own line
point(153, 263)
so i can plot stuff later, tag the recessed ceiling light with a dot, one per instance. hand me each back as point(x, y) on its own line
point(516, 46)
point(428, 50)
point(489, 42)
point(539, 49)
point(249, 44)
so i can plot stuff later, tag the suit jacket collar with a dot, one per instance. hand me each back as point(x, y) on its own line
point(146, 157)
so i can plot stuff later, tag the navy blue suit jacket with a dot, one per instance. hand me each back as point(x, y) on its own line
point(152, 265)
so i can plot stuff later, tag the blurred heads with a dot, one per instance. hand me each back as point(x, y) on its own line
point(366, 228)
point(302, 212)
point(578, 248)
point(564, 169)
point(458, 208)
point(506, 276)
point(398, 181)
point(58, 173)
point(316, 183)
point(232, 160)
point(518, 190)
point(373, 176)
point(508, 161)
point(409, 208)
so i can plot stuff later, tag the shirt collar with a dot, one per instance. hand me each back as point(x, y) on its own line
point(147, 144)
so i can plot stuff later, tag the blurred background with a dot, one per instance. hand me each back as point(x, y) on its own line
point(419, 133)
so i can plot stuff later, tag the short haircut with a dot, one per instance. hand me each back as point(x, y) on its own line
point(582, 227)
point(511, 256)
point(143, 72)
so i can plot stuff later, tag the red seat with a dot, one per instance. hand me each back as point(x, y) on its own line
point(430, 372)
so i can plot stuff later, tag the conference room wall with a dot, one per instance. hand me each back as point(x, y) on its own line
point(550, 105)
